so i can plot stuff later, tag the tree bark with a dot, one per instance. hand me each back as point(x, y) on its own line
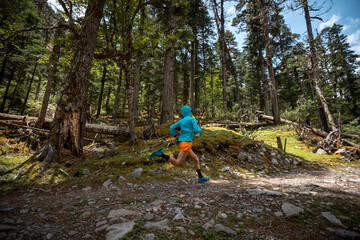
point(103, 80)
point(29, 89)
point(272, 84)
point(3, 66)
point(68, 126)
point(12, 73)
point(167, 111)
point(192, 74)
point(265, 82)
point(117, 97)
point(51, 75)
point(139, 57)
point(315, 67)
point(38, 89)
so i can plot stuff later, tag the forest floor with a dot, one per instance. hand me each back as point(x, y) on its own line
point(255, 192)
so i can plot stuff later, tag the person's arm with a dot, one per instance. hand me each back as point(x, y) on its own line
point(172, 129)
point(196, 128)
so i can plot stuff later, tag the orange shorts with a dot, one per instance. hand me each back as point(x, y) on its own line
point(185, 146)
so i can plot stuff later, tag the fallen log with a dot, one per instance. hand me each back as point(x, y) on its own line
point(92, 128)
point(233, 125)
point(314, 130)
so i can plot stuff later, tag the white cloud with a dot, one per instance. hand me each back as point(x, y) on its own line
point(231, 10)
point(334, 18)
point(356, 49)
point(354, 38)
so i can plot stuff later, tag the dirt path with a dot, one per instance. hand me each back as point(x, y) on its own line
point(325, 204)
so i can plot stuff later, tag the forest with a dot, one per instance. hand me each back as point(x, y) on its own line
point(83, 80)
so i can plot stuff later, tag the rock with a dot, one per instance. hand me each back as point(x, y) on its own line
point(208, 225)
point(123, 213)
point(72, 233)
point(257, 210)
point(86, 171)
point(222, 228)
point(101, 223)
point(242, 157)
point(291, 210)
point(278, 214)
point(255, 191)
point(85, 214)
point(239, 215)
point(136, 173)
point(4, 228)
point(121, 179)
point(107, 183)
point(162, 225)
point(24, 211)
point(179, 215)
point(344, 233)
point(272, 193)
point(118, 231)
point(149, 216)
point(274, 161)
point(181, 229)
point(149, 236)
point(88, 235)
point(99, 229)
point(86, 189)
point(331, 218)
point(152, 173)
point(225, 169)
point(221, 215)
point(321, 151)
point(49, 236)
point(8, 221)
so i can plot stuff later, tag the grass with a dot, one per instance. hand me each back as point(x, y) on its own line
point(295, 146)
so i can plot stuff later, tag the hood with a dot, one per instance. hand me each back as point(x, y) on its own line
point(186, 111)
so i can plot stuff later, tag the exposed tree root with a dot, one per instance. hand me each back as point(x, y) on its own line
point(331, 143)
point(46, 155)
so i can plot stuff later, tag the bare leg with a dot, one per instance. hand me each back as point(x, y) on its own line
point(196, 159)
point(180, 159)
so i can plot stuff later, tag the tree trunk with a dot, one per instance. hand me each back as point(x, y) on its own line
point(205, 104)
point(315, 67)
point(29, 89)
point(68, 126)
point(107, 103)
point(139, 57)
point(7, 89)
point(3, 66)
point(272, 84)
point(167, 111)
point(192, 74)
point(51, 75)
point(38, 89)
point(103, 79)
point(185, 93)
point(237, 87)
point(223, 60)
point(117, 97)
point(137, 83)
point(196, 73)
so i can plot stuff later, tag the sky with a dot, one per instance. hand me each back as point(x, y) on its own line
point(343, 12)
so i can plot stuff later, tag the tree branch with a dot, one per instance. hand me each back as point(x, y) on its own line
point(69, 15)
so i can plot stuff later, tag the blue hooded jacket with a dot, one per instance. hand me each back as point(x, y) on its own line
point(188, 125)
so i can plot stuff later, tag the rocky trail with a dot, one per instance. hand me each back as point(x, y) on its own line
point(322, 203)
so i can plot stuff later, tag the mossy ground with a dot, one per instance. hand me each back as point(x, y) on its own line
point(214, 146)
